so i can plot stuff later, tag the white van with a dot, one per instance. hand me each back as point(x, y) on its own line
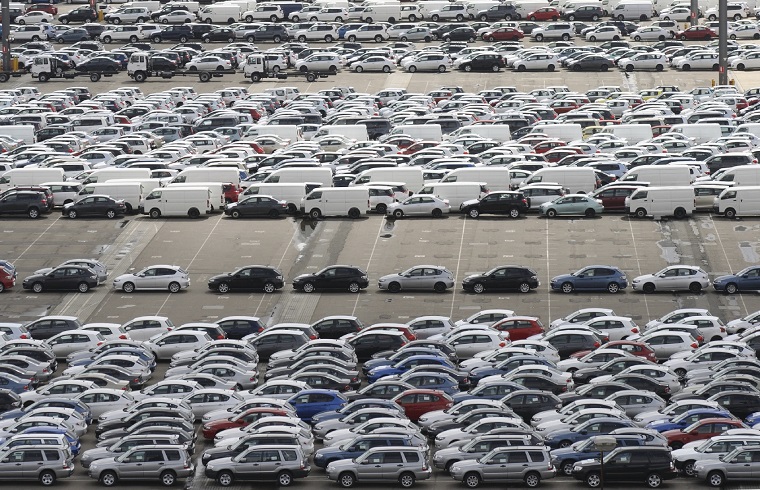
point(575, 179)
point(293, 175)
point(216, 188)
point(219, 13)
point(21, 132)
point(178, 201)
point(751, 128)
point(631, 133)
point(148, 184)
point(498, 132)
point(739, 201)
point(411, 176)
point(380, 197)
point(677, 201)
point(385, 12)
point(131, 192)
point(29, 176)
point(743, 175)
point(336, 201)
point(106, 174)
point(223, 175)
point(700, 133)
point(63, 192)
point(494, 178)
point(292, 193)
point(566, 131)
point(356, 132)
point(660, 175)
point(633, 10)
point(429, 132)
point(292, 133)
point(455, 192)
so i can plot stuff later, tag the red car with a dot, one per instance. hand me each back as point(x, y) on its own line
point(211, 429)
point(698, 431)
point(419, 146)
point(231, 192)
point(543, 14)
point(43, 7)
point(697, 33)
point(562, 106)
point(418, 402)
point(7, 280)
point(557, 154)
point(613, 198)
point(636, 348)
point(504, 34)
point(545, 146)
point(519, 327)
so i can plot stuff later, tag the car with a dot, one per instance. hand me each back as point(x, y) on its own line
point(482, 61)
point(503, 34)
point(170, 462)
point(553, 31)
point(593, 277)
point(591, 62)
point(98, 267)
point(35, 17)
point(511, 203)
point(209, 62)
point(527, 464)
point(544, 14)
point(673, 278)
point(335, 277)
point(79, 14)
point(374, 63)
point(404, 466)
point(747, 279)
point(696, 33)
point(155, 277)
point(256, 206)
point(177, 17)
point(421, 277)
point(646, 464)
point(261, 463)
point(95, 205)
point(72, 36)
point(251, 277)
point(502, 278)
point(572, 204)
point(419, 206)
point(700, 430)
point(67, 278)
point(583, 12)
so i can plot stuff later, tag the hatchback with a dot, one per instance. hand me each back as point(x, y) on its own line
point(155, 277)
point(423, 277)
point(591, 278)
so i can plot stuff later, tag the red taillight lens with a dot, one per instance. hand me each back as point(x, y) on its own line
point(700, 338)
point(635, 330)
point(694, 345)
point(220, 337)
point(123, 337)
point(597, 344)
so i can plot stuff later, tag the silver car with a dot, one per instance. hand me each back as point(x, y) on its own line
point(155, 277)
point(165, 463)
point(100, 269)
point(45, 464)
point(124, 445)
point(261, 463)
point(419, 206)
point(528, 464)
point(425, 277)
point(476, 448)
point(673, 278)
point(382, 464)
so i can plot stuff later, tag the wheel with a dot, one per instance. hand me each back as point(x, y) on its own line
point(133, 39)
point(155, 213)
point(715, 479)
point(551, 213)
point(33, 213)
point(174, 287)
point(65, 20)
point(532, 480)
point(680, 372)
point(412, 18)
point(592, 39)
point(730, 213)
point(731, 288)
point(394, 287)
point(550, 68)
point(108, 478)
point(285, 479)
point(571, 18)
point(83, 287)
point(539, 37)
point(567, 467)
point(532, 18)
point(613, 288)
point(406, 480)
point(346, 480)
point(679, 213)
point(484, 18)
point(277, 39)
point(594, 17)
point(255, 77)
point(437, 213)
point(308, 288)
point(269, 288)
point(315, 214)
point(398, 213)
point(478, 288)
point(590, 213)
point(495, 68)
point(168, 478)
point(695, 287)
point(654, 480)
point(604, 68)
point(107, 39)
point(110, 214)
point(567, 288)
point(565, 37)
point(328, 38)
point(351, 38)
point(235, 213)
point(47, 478)
point(593, 480)
point(439, 287)
point(60, 40)
point(434, 18)
point(460, 17)
point(223, 287)
point(514, 213)
point(740, 66)
point(273, 213)
point(386, 69)
point(95, 77)
point(648, 288)
point(194, 213)
point(381, 208)
point(683, 37)
point(688, 468)
point(442, 69)
point(225, 478)
point(524, 287)
point(72, 214)
point(621, 17)
point(472, 480)
point(354, 213)
point(378, 38)
point(658, 68)
point(467, 68)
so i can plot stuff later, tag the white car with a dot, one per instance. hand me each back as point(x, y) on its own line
point(419, 206)
point(458, 409)
point(35, 17)
point(93, 264)
point(454, 11)
point(109, 331)
point(102, 400)
point(676, 316)
point(579, 417)
point(265, 422)
point(745, 31)
point(537, 61)
point(122, 33)
point(665, 343)
point(367, 32)
point(710, 450)
point(554, 31)
point(439, 62)
point(321, 61)
point(674, 409)
point(374, 63)
point(71, 341)
point(145, 327)
point(748, 61)
point(581, 316)
point(207, 399)
point(616, 327)
point(208, 62)
point(678, 14)
point(469, 342)
point(318, 32)
point(650, 33)
point(736, 11)
point(699, 60)
point(542, 348)
point(741, 324)
point(64, 388)
point(330, 14)
point(177, 17)
point(166, 345)
point(711, 327)
point(604, 33)
point(660, 373)
point(673, 278)
point(485, 317)
point(169, 388)
point(416, 34)
point(449, 438)
point(570, 409)
point(699, 360)
point(634, 402)
point(644, 61)
point(154, 277)
point(594, 358)
point(244, 405)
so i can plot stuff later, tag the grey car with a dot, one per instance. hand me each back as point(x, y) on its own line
point(261, 463)
point(422, 277)
point(476, 448)
point(125, 444)
point(529, 464)
point(45, 464)
point(741, 464)
point(165, 463)
point(100, 269)
point(382, 464)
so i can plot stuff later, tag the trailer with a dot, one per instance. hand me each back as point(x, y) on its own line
point(6, 75)
point(257, 68)
point(140, 68)
point(47, 67)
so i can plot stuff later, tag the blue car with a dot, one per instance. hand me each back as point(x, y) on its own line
point(752, 419)
point(398, 356)
point(745, 280)
point(353, 407)
point(405, 365)
point(56, 402)
point(493, 390)
point(347, 27)
point(687, 418)
point(308, 403)
point(358, 446)
point(72, 36)
point(432, 381)
point(591, 278)
point(145, 356)
point(506, 366)
point(13, 383)
point(594, 427)
point(76, 446)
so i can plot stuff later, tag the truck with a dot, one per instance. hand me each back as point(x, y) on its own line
point(257, 68)
point(141, 67)
point(46, 67)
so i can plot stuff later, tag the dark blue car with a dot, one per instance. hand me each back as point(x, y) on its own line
point(405, 365)
point(13, 383)
point(687, 418)
point(308, 403)
point(493, 390)
point(506, 366)
point(56, 402)
point(431, 381)
point(398, 356)
point(595, 427)
point(564, 458)
point(745, 280)
point(591, 278)
point(353, 407)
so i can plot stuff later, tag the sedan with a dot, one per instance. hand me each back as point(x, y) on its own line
point(73, 278)
point(95, 205)
point(419, 206)
point(652, 33)
point(593, 277)
point(424, 277)
point(673, 278)
point(504, 34)
point(544, 14)
point(591, 62)
point(256, 206)
point(697, 33)
point(745, 280)
point(155, 277)
point(209, 63)
point(572, 204)
point(99, 64)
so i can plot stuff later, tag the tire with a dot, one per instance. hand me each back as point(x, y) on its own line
point(483, 18)
point(269, 288)
point(168, 478)
point(411, 69)
point(648, 288)
point(532, 18)
point(354, 213)
point(570, 18)
point(695, 287)
point(83, 287)
point(352, 38)
point(604, 68)
point(346, 480)
point(434, 18)
point(683, 38)
point(658, 68)
point(524, 287)
point(378, 38)
point(495, 68)
point(532, 480)
point(740, 66)
point(731, 288)
point(539, 37)
point(47, 478)
point(613, 288)
point(107, 39)
point(223, 288)
point(285, 479)
point(381, 208)
point(406, 480)
point(315, 213)
point(654, 480)
point(328, 39)
point(277, 39)
point(95, 77)
point(398, 214)
point(437, 213)
point(108, 478)
point(567, 288)
point(194, 213)
point(566, 467)
point(688, 468)
point(679, 213)
point(174, 287)
point(155, 213)
point(551, 213)
point(478, 288)
point(621, 17)
point(521, 68)
point(592, 39)
point(273, 213)
point(2, 287)
point(594, 17)
point(394, 287)
point(732, 37)
point(439, 287)
point(467, 68)
point(72, 214)
point(110, 214)
point(641, 213)
point(550, 68)
point(593, 480)
point(310, 77)
point(730, 213)
point(60, 40)
point(225, 478)
point(386, 69)
point(565, 37)
point(44, 77)
point(235, 214)
point(590, 213)
point(715, 67)
point(514, 213)
point(442, 69)
point(715, 479)
point(33, 213)
point(472, 480)
point(629, 68)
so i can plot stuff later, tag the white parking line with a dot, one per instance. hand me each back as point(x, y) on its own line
point(638, 263)
point(456, 271)
point(37, 239)
point(369, 262)
point(728, 262)
point(548, 273)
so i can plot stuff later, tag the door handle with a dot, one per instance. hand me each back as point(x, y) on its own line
point(377, 466)
point(139, 464)
point(399, 465)
point(525, 465)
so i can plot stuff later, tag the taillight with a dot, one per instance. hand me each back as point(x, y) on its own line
point(722, 329)
point(597, 344)
point(694, 345)
point(635, 330)
point(123, 337)
point(700, 338)
point(26, 387)
point(252, 378)
point(502, 344)
point(220, 337)
point(99, 343)
point(23, 336)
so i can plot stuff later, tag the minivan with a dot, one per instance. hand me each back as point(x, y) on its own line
point(738, 201)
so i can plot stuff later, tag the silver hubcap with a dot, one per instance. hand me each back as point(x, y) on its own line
point(308, 288)
point(407, 481)
point(284, 480)
point(354, 288)
point(593, 481)
point(524, 288)
point(716, 480)
point(514, 213)
point(347, 481)
point(72, 214)
point(108, 480)
point(654, 481)
point(128, 288)
point(567, 288)
point(83, 288)
point(225, 480)
point(269, 288)
point(531, 481)
point(168, 479)
point(689, 469)
point(174, 287)
point(472, 481)
point(731, 288)
point(613, 288)
point(223, 288)
point(46, 479)
point(37, 288)
point(33, 213)
point(478, 288)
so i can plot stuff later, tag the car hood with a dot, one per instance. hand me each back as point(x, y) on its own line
point(645, 277)
point(563, 277)
point(341, 464)
point(473, 277)
point(729, 277)
point(105, 463)
point(96, 453)
point(302, 277)
point(390, 277)
point(124, 277)
point(471, 202)
point(464, 466)
point(219, 277)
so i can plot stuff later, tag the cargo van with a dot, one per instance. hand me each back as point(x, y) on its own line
point(294, 175)
point(525, 7)
point(336, 201)
point(677, 201)
point(178, 201)
point(356, 132)
point(497, 132)
point(216, 188)
point(633, 10)
point(106, 174)
point(63, 192)
point(20, 132)
point(660, 175)
point(699, 133)
point(411, 176)
point(131, 192)
point(494, 178)
point(431, 132)
point(565, 132)
point(219, 13)
point(743, 175)
point(292, 133)
point(631, 133)
point(148, 184)
point(455, 192)
point(739, 201)
point(577, 180)
point(29, 176)
point(292, 193)
point(230, 175)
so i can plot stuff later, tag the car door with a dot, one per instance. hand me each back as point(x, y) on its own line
point(12, 464)
point(242, 279)
point(740, 467)
point(371, 469)
point(495, 469)
point(587, 279)
point(415, 278)
point(56, 279)
point(751, 279)
point(131, 467)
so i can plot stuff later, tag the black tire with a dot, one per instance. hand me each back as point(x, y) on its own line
point(108, 479)
point(33, 213)
point(551, 213)
point(590, 213)
point(730, 213)
point(732, 288)
point(567, 288)
point(472, 480)
point(654, 480)
point(478, 288)
point(194, 213)
point(128, 287)
point(110, 214)
point(269, 288)
point(235, 214)
point(437, 213)
point(532, 480)
point(346, 480)
point(223, 288)
point(315, 214)
point(613, 288)
point(394, 287)
point(72, 214)
point(155, 213)
point(648, 288)
point(174, 287)
point(285, 479)
point(83, 287)
point(168, 478)
point(381, 208)
point(273, 213)
point(566, 467)
point(95, 77)
point(354, 213)
point(716, 479)
point(524, 287)
point(688, 468)
point(406, 480)
point(593, 479)
point(695, 288)
point(442, 69)
point(225, 478)
point(679, 213)
point(641, 213)
point(514, 213)
point(439, 287)
point(204, 76)
point(47, 478)
point(539, 37)
point(398, 214)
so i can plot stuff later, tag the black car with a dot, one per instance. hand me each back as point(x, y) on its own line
point(444, 29)
point(166, 9)
point(334, 277)
point(335, 327)
point(181, 33)
point(9, 400)
point(70, 277)
point(95, 205)
point(507, 278)
point(645, 464)
point(159, 62)
point(223, 34)
point(585, 12)
point(502, 202)
point(268, 32)
point(483, 62)
point(597, 390)
point(257, 277)
point(461, 34)
point(527, 403)
point(36, 188)
point(591, 62)
point(372, 342)
point(79, 14)
point(502, 11)
point(256, 206)
point(610, 368)
point(99, 64)
point(30, 203)
point(739, 403)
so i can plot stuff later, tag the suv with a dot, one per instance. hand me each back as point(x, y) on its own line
point(502, 202)
point(368, 32)
point(529, 464)
point(486, 61)
point(125, 444)
point(181, 33)
point(557, 30)
point(358, 446)
point(476, 449)
point(30, 203)
point(43, 463)
point(128, 15)
point(396, 464)
point(585, 12)
point(246, 442)
point(318, 32)
point(269, 32)
point(340, 277)
point(648, 464)
point(165, 463)
point(728, 160)
point(505, 11)
point(261, 463)
point(36, 188)
point(79, 14)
